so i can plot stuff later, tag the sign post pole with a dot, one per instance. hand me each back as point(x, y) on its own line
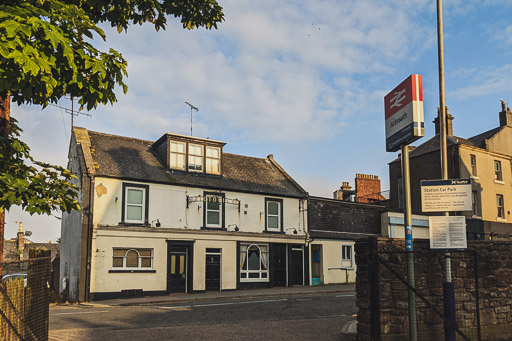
point(413, 327)
point(404, 125)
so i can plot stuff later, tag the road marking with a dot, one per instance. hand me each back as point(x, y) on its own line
point(303, 299)
point(80, 312)
point(352, 295)
point(188, 307)
point(178, 308)
point(232, 303)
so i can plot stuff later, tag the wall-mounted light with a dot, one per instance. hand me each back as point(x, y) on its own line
point(157, 223)
point(291, 228)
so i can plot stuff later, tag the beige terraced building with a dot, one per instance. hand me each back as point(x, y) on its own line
point(485, 158)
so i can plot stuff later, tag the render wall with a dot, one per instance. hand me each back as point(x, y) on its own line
point(485, 184)
point(168, 204)
point(333, 271)
point(105, 239)
point(71, 241)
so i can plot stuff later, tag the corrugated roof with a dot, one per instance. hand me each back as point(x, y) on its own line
point(134, 159)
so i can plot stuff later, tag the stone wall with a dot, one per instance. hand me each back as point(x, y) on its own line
point(382, 298)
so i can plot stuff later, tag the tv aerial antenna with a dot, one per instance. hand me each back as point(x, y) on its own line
point(71, 111)
point(192, 108)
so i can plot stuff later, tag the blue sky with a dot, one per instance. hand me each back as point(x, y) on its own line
point(304, 81)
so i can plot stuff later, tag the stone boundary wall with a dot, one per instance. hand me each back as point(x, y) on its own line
point(382, 298)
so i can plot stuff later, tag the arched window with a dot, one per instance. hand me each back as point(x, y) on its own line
point(253, 262)
point(132, 258)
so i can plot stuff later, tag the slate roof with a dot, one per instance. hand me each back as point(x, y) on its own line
point(135, 159)
point(433, 143)
point(337, 219)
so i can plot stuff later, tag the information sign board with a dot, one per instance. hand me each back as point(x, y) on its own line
point(446, 195)
point(447, 232)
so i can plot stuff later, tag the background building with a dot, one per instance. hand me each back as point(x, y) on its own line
point(485, 158)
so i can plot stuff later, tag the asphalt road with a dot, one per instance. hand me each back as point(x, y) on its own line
point(300, 317)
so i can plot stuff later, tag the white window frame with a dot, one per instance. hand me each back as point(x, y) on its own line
point(344, 255)
point(500, 206)
point(210, 159)
point(139, 259)
point(194, 156)
point(218, 198)
point(143, 205)
point(178, 154)
point(263, 274)
point(278, 215)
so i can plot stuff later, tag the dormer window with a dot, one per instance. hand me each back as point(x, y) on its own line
point(195, 158)
point(178, 155)
point(212, 160)
point(190, 154)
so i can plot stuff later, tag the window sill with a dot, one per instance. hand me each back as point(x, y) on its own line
point(501, 220)
point(245, 280)
point(131, 271)
point(273, 232)
point(499, 182)
point(213, 228)
point(124, 223)
point(474, 177)
point(476, 217)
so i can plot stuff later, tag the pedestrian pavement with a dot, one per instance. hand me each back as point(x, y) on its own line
point(237, 294)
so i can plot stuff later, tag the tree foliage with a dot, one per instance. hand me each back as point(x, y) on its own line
point(36, 186)
point(46, 53)
point(46, 49)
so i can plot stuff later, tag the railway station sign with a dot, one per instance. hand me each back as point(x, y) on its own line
point(403, 108)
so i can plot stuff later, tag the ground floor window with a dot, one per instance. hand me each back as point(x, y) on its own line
point(254, 262)
point(124, 258)
point(346, 257)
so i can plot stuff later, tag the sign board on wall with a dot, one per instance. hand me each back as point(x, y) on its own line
point(447, 232)
point(446, 195)
point(403, 108)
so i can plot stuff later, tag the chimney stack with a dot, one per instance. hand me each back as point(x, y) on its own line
point(505, 115)
point(344, 192)
point(20, 242)
point(368, 188)
point(449, 123)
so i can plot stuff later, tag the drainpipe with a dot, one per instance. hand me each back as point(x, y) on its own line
point(89, 240)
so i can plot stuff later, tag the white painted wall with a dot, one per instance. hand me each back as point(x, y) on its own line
point(107, 238)
point(332, 271)
point(168, 204)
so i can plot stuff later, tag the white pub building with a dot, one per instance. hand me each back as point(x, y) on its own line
point(178, 216)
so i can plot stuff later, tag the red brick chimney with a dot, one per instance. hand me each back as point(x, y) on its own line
point(368, 188)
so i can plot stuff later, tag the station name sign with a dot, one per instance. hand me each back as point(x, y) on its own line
point(446, 195)
point(403, 108)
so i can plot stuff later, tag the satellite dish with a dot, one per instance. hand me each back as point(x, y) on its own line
point(28, 233)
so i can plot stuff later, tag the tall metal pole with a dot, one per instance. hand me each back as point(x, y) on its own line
point(448, 288)
point(413, 327)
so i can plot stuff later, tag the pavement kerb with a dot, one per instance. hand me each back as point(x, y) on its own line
point(238, 294)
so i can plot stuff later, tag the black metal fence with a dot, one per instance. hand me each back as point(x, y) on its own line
point(24, 299)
